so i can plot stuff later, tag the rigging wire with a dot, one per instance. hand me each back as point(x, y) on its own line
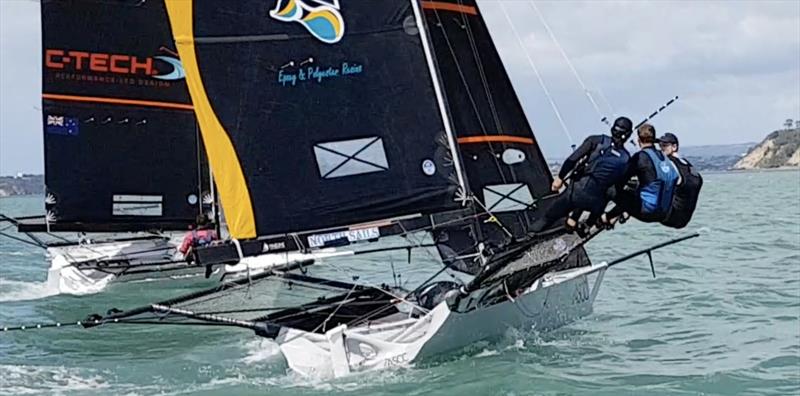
point(575, 73)
point(469, 91)
point(479, 65)
point(607, 103)
point(538, 76)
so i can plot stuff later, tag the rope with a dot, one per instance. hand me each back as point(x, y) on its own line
point(538, 75)
point(588, 93)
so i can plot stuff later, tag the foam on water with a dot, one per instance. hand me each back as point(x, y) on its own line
point(13, 290)
point(261, 351)
point(29, 380)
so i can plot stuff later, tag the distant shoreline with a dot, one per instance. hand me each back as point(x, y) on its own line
point(10, 192)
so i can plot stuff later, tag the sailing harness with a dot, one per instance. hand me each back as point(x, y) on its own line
point(607, 164)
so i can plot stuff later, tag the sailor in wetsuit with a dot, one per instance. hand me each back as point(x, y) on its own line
point(687, 192)
point(657, 177)
point(598, 164)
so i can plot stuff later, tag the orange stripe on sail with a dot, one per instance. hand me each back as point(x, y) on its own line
point(494, 139)
point(119, 101)
point(440, 5)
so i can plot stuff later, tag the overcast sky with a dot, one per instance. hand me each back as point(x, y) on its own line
point(734, 64)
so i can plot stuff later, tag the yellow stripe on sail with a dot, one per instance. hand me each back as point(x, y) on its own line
point(233, 191)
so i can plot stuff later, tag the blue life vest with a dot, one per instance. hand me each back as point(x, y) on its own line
point(657, 196)
point(607, 164)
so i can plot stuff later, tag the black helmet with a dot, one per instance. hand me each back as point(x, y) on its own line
point(622, 127)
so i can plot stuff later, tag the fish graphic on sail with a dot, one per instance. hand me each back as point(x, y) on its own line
point(323, 21)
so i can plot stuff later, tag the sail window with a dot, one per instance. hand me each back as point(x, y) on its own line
point(507, 197)
point(137, 205)
point(350, 157)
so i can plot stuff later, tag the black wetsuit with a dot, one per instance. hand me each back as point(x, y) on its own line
point(628, 200)
point(684, 201)
point(585, 194)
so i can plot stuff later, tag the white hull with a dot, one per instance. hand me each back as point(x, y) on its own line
point(67, 278)
point(553, 301)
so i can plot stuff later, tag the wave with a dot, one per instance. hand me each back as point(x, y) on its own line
point(13, 290)
point(261, 351)
point(28, 380)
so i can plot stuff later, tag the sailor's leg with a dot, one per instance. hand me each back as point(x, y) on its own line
point(559, 208)
point(625, 201)
point(596, 211)
point(574, 217)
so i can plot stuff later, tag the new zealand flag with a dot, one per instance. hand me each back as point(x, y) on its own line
point(62, 125)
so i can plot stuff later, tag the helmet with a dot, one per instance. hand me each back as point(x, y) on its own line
point(622, 127)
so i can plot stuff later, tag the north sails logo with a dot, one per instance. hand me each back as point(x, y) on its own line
point(323, 20)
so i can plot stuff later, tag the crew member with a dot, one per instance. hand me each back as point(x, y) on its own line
point(598, 164)
point(657, 177)
point(202, 235)
point(687, 192)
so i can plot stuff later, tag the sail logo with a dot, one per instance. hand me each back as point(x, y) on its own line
point(323, 20)
point(160, 67)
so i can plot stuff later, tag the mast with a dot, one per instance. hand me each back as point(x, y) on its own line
point(440, 99)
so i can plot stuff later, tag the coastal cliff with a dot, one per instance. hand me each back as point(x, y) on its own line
point(779, 149)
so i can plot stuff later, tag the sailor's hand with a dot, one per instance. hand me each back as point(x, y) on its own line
point(557, 183)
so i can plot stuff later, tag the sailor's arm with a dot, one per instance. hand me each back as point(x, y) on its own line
point(585, 149)
point(186, 244)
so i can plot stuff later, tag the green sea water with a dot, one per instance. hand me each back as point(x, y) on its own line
point(721, 318)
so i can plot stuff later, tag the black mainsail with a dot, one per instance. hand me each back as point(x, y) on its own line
point(308, 128)
point(122, 148)
point(506, 169)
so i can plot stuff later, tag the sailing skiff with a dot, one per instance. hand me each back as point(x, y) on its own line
point(330, 126)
